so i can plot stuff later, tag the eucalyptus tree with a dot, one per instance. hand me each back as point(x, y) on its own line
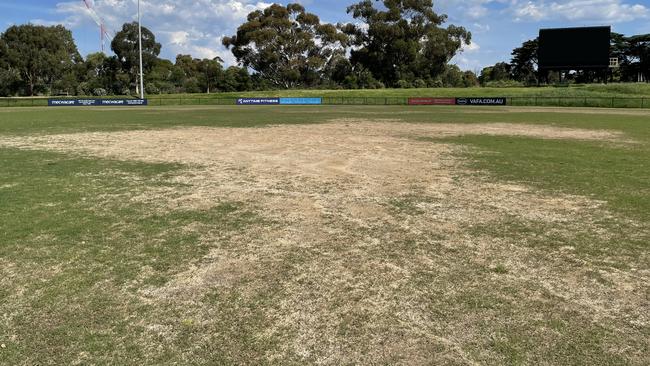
point(403, 40)
point(286, 46)
point(39, 55)
point(125, 46)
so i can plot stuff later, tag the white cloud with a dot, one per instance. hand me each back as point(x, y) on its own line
point(476, 11)
point(600, 11)
point(179, 38)
point(193, 27)
point(472, 47)
point(465, 63)
point(603, 11)
point(471, 10)
point(480, 28)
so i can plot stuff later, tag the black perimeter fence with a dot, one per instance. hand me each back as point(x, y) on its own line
point(532, 101)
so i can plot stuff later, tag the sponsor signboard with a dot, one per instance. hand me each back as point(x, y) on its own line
point(136, 101)
point(283, 101)
point(432, 101)
point(480, 101)
point(62, 103)
point(95, 102)
point(258, 101)
point(301, 101)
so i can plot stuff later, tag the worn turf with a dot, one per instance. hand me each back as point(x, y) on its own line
point(324, 235)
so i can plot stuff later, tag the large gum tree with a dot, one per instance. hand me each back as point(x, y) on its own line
point(38, 54)
point(126, 47)
point(403, 39)
point(286, 45)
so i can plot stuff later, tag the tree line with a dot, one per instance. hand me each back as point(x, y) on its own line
point(393, 43)
point(633, 54)
point(39, 60)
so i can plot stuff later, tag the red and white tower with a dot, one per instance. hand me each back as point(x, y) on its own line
point(103, 31)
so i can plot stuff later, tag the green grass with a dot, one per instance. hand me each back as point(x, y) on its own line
point(73, 250)
point(44, 120)
point(599, 96)
point(612, 90)
point(80, 252)
point(614, 174)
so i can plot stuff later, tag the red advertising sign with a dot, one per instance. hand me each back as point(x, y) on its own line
point(432, 101)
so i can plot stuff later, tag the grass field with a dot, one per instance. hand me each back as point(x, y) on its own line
point(625, 95)
point(589, 90)
point(324, 235)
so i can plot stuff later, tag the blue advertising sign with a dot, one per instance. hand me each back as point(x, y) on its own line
point(258, 101)
point(127, 102)
point(481, 101)
point(61, 102)
point(95, 102)
point(301, 101)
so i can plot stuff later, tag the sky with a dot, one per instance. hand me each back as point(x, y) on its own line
point(196, 27)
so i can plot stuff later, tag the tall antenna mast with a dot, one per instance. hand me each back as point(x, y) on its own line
point(104, 34)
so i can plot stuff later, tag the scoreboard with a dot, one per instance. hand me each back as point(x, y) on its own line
point(574, 48)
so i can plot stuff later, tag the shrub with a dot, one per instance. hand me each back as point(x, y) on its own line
point(351, 82)
point(191, 85)
point(403, 84)
point(419, 83)
point(100, 92)
point(436, 83)
point(82, 89)
point(367, 81)
point(151, 88)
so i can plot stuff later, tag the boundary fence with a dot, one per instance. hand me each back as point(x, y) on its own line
point(531, 101)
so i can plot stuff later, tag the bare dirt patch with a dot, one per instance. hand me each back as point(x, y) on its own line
point(499, 129)
point(368, 243)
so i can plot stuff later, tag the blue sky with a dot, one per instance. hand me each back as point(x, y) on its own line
point(197, 26)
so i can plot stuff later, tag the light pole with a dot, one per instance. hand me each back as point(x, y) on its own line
point(140, 45)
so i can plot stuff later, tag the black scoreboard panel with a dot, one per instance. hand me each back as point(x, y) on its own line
point(574, 48)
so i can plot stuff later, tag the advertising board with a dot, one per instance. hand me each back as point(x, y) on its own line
point(301, 101)
point(432, 101)
point(481, 101)
point(95, 102)
point(258, 101)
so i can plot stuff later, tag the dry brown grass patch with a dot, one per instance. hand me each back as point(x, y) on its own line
point(366, 236)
